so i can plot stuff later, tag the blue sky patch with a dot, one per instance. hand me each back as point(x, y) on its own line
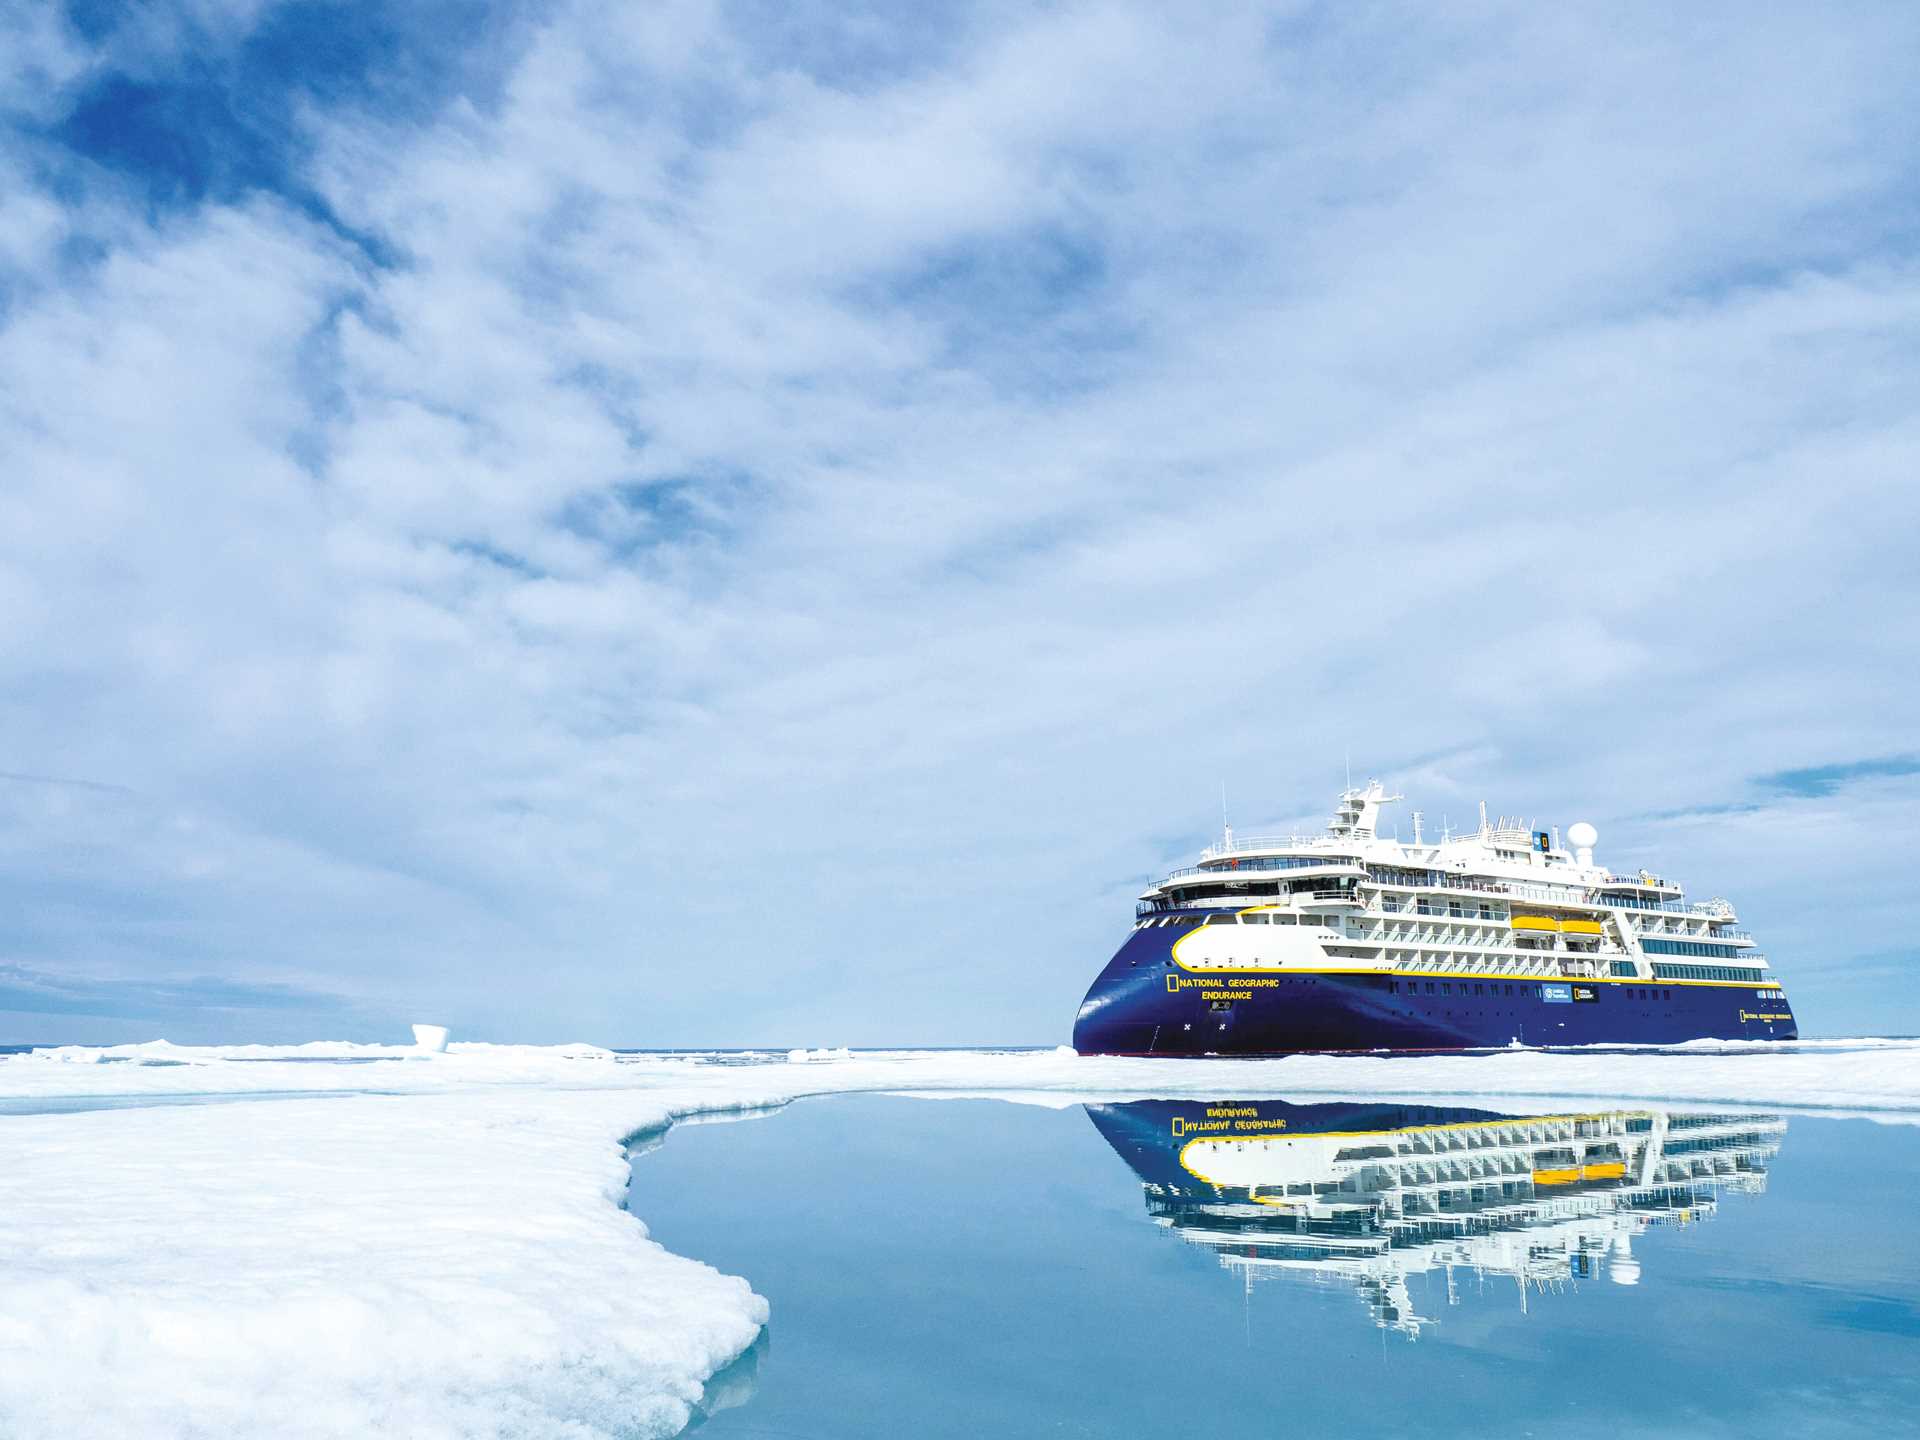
point(1819, 781)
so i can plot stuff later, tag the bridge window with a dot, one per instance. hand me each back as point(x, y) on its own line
point(1688, 947)
point(1703, 972)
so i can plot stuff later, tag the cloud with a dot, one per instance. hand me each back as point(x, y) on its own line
point(209, 1003)
point(682, 525)
point(16, 778)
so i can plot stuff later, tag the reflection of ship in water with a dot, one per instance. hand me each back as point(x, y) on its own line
point(1374, 1193)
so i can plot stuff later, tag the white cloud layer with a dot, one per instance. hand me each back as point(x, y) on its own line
point(788, 517)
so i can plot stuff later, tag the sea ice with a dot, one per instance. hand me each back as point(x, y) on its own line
point(801, 1057)
point(431, 1245)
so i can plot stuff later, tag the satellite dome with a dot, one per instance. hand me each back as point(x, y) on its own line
point(1624, 1270)
point(1582, 836)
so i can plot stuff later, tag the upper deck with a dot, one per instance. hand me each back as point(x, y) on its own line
point(1501, 887)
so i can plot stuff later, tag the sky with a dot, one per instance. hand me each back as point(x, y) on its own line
point(750, 523)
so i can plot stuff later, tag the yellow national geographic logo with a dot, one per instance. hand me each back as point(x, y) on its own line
point(1241, 986)
point(1762, 1015)
point(1227, 1120)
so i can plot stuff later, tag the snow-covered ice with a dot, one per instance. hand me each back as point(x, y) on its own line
point(431, 1245)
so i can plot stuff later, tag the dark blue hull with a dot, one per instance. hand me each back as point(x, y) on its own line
point(1144, 1003)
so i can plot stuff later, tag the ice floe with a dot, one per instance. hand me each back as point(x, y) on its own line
point(802, 1057)
point(431, 1244)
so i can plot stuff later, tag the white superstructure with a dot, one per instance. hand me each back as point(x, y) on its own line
point(1501, 900)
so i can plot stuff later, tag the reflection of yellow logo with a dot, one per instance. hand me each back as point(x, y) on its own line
point(1222, 1119)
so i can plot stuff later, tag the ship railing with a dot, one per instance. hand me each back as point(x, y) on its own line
point(1263, 862)
point(1263, 842)
point(1656, 932)
point(1548, 894)
point(1705, 909)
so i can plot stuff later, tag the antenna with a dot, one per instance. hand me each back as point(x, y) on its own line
point(1226, 826)
point(1349, 767)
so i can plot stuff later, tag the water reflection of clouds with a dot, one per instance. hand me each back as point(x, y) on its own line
point(1371, 1194)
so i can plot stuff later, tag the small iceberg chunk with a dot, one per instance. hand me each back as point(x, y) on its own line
point(430, 1038)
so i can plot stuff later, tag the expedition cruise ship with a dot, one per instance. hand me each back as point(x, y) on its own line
point(1351, 941)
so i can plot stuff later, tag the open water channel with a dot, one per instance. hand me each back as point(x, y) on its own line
point(1253, 1268)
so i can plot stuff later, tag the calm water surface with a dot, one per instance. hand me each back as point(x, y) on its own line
point(1236, 1268)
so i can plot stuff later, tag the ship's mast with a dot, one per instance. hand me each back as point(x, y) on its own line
point(1358, 814)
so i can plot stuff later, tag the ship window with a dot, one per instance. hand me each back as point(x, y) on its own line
point(1429, 987)
point(1446, 989)
point(1254, 919)
point(1227, 919)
